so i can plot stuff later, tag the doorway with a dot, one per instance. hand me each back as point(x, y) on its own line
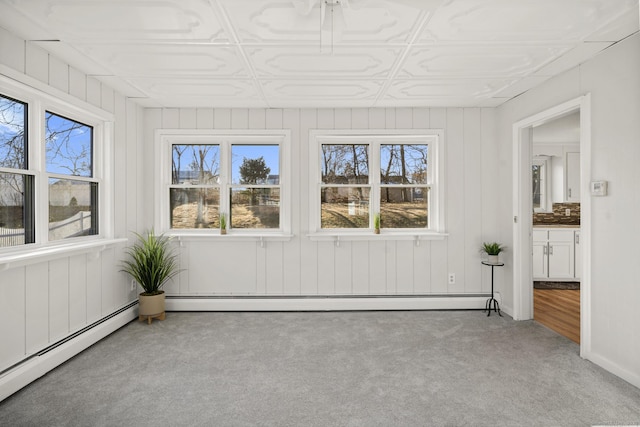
point(523, 211)
point(555, 171)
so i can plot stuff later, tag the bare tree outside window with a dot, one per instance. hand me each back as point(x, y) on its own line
point(196, 169)
point(16, 188)
point(344, 198)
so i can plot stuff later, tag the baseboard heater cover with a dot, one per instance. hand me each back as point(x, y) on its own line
point(328, 303)
point(33, 367)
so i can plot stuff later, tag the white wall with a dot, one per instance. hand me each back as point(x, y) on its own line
point(44, 301)
point(612, 79)
point(305, 267)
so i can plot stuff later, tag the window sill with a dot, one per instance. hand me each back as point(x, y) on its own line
point(416, 236)
point(47, 253)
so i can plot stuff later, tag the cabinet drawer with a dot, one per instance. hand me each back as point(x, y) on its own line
point(561, 236)
point(539, 235)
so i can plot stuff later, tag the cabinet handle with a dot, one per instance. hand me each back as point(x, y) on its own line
point(569, 192)
point(550, 250)
point(577, 239)
point(544, 250)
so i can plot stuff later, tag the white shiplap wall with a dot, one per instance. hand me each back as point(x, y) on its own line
point(47, 299)
point(303, 267)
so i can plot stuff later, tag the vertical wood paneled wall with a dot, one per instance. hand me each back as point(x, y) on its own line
point(45, 301)
point(305, 267)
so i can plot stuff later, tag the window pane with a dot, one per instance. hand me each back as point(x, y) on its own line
point(12, 134)
point(345, 164)
point(195, 164)
point(255, 164)
point(345, 207)
point(73, 208)
point(69, 146)
point(403, 164)
point(255, 208)
point(537, 175)
point(16, 209)
point(404, 207)
point(195, 207)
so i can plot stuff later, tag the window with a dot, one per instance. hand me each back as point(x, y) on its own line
point(363, 173)
point(73, 189)
point(50, 180)
point(233, 175)
point(539, 175)
point(16, 183)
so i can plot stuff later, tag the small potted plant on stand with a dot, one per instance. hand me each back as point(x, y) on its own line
point(493, 250)
point(151, 264)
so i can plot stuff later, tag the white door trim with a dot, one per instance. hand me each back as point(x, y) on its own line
point(522, 211)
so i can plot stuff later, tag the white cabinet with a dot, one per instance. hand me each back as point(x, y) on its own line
point(572, 179)
point(578, 255)
point(553, 254)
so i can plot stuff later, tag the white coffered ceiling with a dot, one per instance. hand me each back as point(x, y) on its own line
point(267, 53)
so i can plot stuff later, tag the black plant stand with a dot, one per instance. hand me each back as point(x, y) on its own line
point(496, 306)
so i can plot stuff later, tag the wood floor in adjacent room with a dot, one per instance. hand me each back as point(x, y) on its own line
point(559, 310)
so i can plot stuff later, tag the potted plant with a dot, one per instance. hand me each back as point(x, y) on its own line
point(223, 223)
point(151, 264)
point(376, 223)
point(493, 250)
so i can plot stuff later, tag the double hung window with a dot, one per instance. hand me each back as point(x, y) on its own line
point(228, 181)
point(16, 182)
point(361, 176)
point(50, 182)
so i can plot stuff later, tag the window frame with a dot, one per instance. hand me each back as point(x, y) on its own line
point(166, 138)
point(544, 163)
point(434, 138)
point(39, 99)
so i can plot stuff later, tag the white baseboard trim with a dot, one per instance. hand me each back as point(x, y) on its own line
point(34, 368)
point(631, 377)
point(333, 303)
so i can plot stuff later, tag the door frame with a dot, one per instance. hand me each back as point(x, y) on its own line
point(523, 213)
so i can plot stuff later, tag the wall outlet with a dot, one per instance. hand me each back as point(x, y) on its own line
point(452, 278)
point(567, 212)
point(133, 285)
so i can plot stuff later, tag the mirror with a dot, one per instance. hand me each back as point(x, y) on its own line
point(555, 164)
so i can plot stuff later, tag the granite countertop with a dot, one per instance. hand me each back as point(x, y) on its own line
point(556, 225)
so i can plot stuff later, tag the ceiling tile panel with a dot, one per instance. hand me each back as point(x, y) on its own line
point(521, 20)
point(169, 59)
point(321, 90)
point(471, 89)
point(364, 21)
point(306, 62)
point(217, 92)
point(477, 61)
point(127, 20)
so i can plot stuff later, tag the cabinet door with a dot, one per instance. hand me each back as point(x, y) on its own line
point(539, 261)
point(578, 255)
point(561, 254)
point(573, 177)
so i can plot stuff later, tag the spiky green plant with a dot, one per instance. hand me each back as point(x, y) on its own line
point(492, 248)
point(376, 221)
point(151, 263)
point(223, 221)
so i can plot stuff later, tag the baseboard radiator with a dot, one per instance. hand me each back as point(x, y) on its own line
point(34, 366)
point(328, 303)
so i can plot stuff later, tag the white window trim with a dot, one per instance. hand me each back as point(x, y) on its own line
point(437, 230)
point(41, 98)
point(165, 138)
